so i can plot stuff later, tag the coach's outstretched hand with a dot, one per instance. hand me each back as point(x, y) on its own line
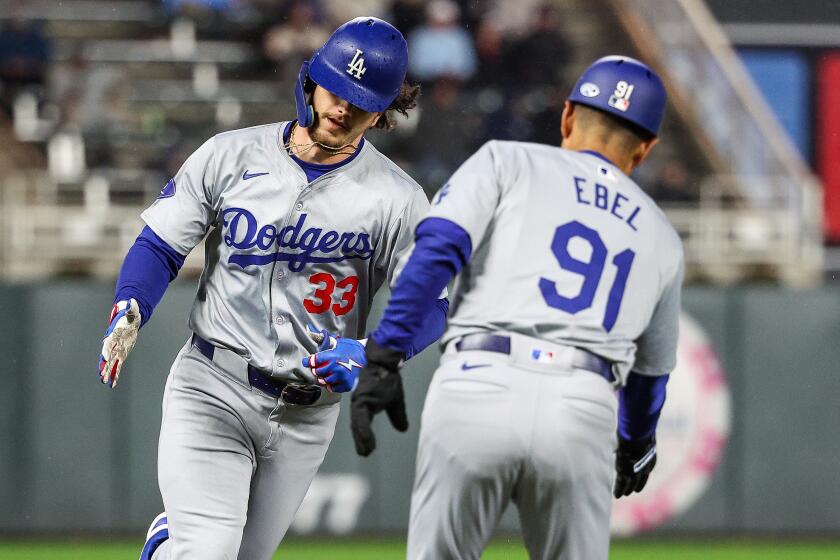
point(633, 463)
point(379, 388)
point(118, 341)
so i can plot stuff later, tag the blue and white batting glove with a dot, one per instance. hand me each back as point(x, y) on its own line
point(338, 361)
point(119, 339)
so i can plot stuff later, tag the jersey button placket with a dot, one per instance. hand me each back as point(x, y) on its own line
point(279, 319)
point(299, 206)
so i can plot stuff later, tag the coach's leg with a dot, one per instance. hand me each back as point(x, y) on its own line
point(466, 463)
point(285, 470)
point(565, 495)
point(204, 462)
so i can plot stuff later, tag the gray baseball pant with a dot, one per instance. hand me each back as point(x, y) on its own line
point(539, 435)
point(234, 463)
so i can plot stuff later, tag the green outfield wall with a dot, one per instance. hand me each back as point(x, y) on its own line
point(76, 456)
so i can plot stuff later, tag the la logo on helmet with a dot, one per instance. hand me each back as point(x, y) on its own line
point(356, 67)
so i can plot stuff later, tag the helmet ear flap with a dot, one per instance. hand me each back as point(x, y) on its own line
point(308, 85)
point(303, 87)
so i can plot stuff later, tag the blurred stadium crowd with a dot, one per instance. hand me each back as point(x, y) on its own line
point(130, 87)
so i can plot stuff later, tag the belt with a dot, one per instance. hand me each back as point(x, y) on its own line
point(581, 359)
point(288, 392)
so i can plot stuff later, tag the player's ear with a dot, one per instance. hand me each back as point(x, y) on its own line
point(567, 120)
point(642, 151)
point(375, 119)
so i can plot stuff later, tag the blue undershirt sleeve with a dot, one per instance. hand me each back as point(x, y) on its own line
point(412, 319)
point(432, 329)
point(640, 403)
point(148, 268)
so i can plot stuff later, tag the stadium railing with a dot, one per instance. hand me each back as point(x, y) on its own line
point(765, 171)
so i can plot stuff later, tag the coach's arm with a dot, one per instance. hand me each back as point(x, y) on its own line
point(414, 318)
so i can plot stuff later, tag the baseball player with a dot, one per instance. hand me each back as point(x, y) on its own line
point(563, 331)
point(303, 220)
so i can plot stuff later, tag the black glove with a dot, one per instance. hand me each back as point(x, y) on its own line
point(633, 462)
point(379, 388)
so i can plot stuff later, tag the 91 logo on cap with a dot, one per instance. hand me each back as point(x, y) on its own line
point(620, 99)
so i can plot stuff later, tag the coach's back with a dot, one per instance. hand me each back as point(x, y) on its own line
point(566, 248)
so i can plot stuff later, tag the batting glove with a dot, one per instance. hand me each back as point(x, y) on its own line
point(119, 339)
point(338, 361)
point(633, 463)
point(380, 388)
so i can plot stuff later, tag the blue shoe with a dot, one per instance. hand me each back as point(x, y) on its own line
point(158, 532)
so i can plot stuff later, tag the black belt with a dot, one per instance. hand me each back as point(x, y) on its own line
point(582, 359)
point(291, 393)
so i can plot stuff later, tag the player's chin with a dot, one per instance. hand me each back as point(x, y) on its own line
point(333, 140)
point(332, 137)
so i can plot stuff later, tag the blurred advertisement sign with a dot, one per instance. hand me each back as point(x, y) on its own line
point(333, 502)
point(691, 437)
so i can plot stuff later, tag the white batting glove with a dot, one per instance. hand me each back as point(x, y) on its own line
point(119, 339)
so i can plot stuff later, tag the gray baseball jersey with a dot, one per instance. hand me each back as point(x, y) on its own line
point(283, 252)
point(568, 249)
point(567, 252)
point(234, 463)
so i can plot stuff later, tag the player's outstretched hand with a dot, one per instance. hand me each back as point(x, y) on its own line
point(380, 388)
point(338, 361)
point(119, 339)
point(633, 463)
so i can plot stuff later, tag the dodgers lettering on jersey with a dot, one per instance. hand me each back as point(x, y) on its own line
point(281, 252)
point(570, 250)
point(314, 245)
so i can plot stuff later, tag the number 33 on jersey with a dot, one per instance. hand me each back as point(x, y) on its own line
point(322, 298)
point(283, 251)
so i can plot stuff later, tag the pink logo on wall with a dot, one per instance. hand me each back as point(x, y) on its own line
point(691, 437)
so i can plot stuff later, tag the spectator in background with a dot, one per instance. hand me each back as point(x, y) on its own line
point(84, 91)
point(93, 99)
point(25, 53)
point(441, 47)
point(179, 6)
point(544, 121)
point(407, 15)
point(674, 185)
point(213, 17)
point(445, 134)
point(491, 48)
point(510, 120)
point(514, 18)
point(344, 10)
point(290, 43)
point(540, 56)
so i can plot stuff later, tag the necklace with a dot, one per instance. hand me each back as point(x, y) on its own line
point(296, 149)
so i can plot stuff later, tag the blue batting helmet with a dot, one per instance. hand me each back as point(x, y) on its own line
point(624, 87)
point(363, 62)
